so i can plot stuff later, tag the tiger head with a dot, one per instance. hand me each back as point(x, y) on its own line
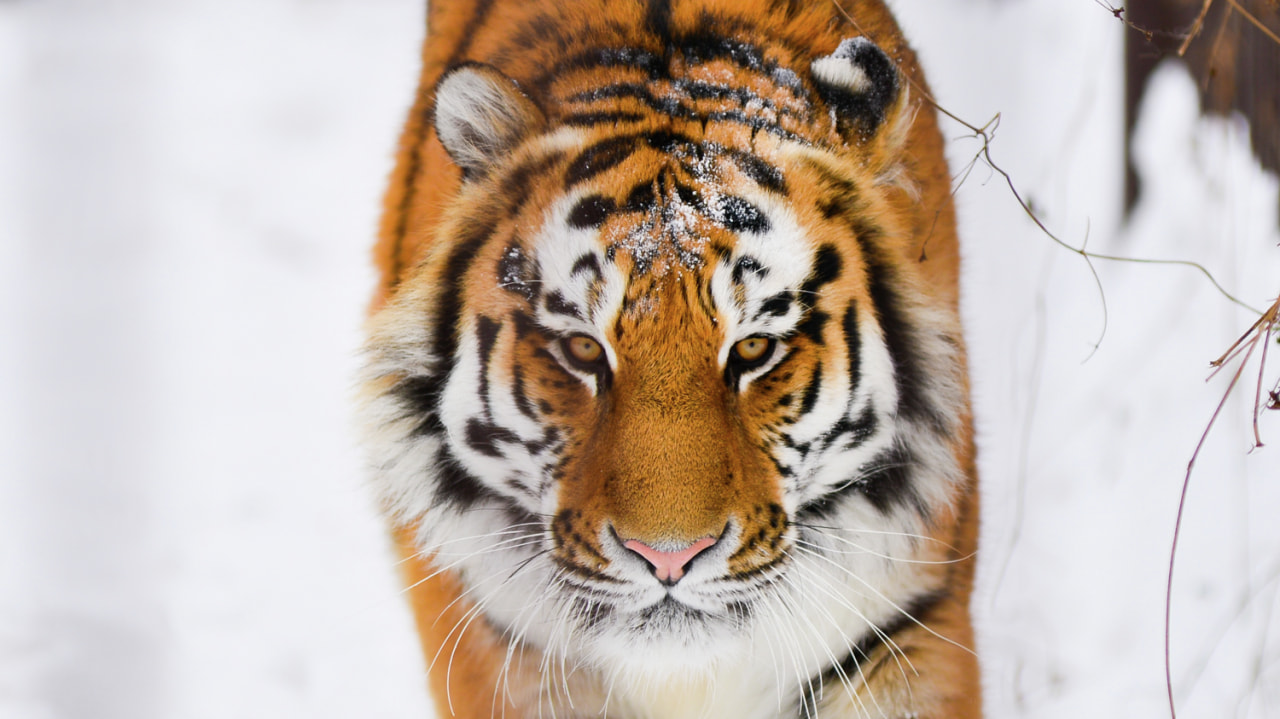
point(668, 383)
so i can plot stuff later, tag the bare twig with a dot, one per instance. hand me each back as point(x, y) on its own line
point(1259, 333)
point(985, 135)
point(1177, 532)
point(1254, 21)
point(1195, 28)
point(1188, 37)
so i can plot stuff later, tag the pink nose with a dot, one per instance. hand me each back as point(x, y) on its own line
point(668, 567)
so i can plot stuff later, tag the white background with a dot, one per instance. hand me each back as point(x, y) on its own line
point(188, 193)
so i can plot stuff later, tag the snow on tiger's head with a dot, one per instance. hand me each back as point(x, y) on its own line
point(643, 356)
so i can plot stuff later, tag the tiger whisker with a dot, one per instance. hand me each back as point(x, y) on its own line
point(425, 552)
point(871, 552)
point(835, 664)
point(517, 634)
point(884, 638)
point(797, 665)
point(485, 580)
point(829, 530)
point(821, 582)
point(440, 569)
point(505, 545)
point(891, 603)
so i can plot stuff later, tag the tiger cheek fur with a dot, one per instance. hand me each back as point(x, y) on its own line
point(665, 394)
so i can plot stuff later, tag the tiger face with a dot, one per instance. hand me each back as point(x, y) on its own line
point(665, 395)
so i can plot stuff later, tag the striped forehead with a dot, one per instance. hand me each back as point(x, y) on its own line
point(664, 200)
point(759, 286)
point(746, 252)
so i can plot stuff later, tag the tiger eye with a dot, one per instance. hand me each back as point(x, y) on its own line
point(752, 349)
point(584, 349)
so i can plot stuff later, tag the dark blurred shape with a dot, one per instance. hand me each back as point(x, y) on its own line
point(1235, 63)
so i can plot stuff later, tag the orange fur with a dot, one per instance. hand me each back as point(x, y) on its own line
point(673, 423)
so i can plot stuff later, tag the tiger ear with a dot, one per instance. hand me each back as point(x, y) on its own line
point(481, 115)
point(861, 84)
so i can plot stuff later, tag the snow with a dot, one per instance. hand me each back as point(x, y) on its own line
point(188, 191)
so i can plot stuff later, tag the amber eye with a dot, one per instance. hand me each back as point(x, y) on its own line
point(583, 349)
point(753, 350)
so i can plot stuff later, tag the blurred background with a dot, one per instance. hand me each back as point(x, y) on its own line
point(188, 193)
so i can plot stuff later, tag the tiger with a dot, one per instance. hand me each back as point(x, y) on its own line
point(664, 391)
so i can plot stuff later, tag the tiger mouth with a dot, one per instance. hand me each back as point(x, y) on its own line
point(669, 607)
point(668, 617)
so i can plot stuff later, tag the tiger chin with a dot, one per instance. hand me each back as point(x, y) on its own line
point(665, 394)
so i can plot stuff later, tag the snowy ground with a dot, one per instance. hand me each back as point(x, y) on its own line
point(187, 194)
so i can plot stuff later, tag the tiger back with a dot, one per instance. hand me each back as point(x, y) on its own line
point(665, 394)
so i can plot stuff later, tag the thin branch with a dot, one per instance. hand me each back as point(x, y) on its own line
point(986, 134)
point(1258, 333)
point(1255, 21)
point(1195, 28)
point(1261, 330)
point(1177, 532)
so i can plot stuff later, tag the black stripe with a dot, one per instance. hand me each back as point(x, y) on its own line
point(670, 142)
point(587, 119)
point(521, 394)
point(677, 110)
point(853, 343)
point(709, 45)
point(412, 167)
point(557, 304)
point(549, 437)
point(590, 212)
point(629, 90)
point(420, 397)
point(901, 336)
point(755, 123)
point(760, 172)
point(542, 31)
point(469, 31)
point(517, 186)
point(588, 263)
point(826, 269)
point(517, 274)
point(452, 287)
point(783, 470)
point(778, 305)
point(738, 215)
point(445, 341)
point(484, 437)
point(812, 325)
point(888, 486)
point(642, 198)
point(486, 335)
point(598, 158)
point(760, 568)
point(605, 57)
point(711, 40)
point(746, 264)
point(858, 430)
point(657, 19)
point(810, 397)
point(454, 485)
point(670, 103)
point(524, 324)
point(885, 482)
